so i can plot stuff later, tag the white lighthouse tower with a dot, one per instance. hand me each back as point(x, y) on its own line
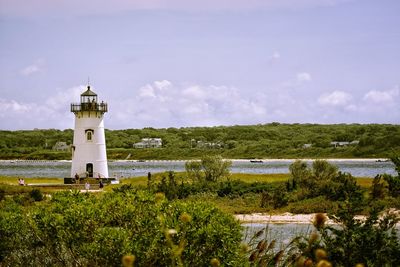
point(89, 158)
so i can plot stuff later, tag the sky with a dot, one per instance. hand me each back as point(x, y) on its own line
point(183, 63)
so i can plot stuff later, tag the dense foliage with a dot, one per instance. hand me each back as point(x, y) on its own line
point(178, 227)
point(272, 140)
point(74, 229)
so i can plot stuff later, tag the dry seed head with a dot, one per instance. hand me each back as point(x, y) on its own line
point(313, 237)
point(300, 261)
point(185, 218)
point(308, 263)
point(320, 254)
point(215, 262)
point(324, 263)
point(319, 220)
point(159, 197)
point(244, 248)
point(128, 260)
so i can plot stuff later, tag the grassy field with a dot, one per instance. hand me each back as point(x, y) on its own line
point(246, 203)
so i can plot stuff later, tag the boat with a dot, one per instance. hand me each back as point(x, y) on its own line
point(256, 161)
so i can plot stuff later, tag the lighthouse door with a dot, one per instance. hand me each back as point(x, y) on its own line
point(89, 169)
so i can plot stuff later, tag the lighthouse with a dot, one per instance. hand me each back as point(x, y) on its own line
point(89, 157)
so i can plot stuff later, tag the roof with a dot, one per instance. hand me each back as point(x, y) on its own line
point(88, 92)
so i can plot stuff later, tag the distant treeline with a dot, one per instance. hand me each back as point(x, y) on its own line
point(273, 140)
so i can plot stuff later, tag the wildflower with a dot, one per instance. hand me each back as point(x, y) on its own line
point(128, 260)
point(320, 254)
point(215, 262)
point(185, 218)
point(170, 232)
point(319, 220)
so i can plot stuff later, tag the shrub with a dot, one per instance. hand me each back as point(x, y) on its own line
point(85, 229)
point(36, 194)
point(2, 194)
point(210, 169)
point(369, 242)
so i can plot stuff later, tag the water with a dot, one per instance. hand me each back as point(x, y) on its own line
point(61, 169)
point(283, 233)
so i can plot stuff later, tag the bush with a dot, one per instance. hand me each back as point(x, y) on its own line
point(323, 179)
point(210, 169)
point(36, 195)
point(369, 242)
point(83, 229)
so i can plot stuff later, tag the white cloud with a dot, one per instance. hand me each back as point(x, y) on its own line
point(163, 104)
point(53, 112)
point(381, 96)
point(62, 98)
point(36, 67)
point(336, 98)
point(303, 77)
point(276, 56)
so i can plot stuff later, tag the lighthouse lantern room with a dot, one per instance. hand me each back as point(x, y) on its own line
point(89, 158)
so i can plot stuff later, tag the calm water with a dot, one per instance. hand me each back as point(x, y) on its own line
point(61, 169)
point(283, 233)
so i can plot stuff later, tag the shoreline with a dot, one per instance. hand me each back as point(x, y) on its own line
point(290, 218)
point(233, 160)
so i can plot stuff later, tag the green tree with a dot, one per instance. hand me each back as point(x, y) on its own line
point(209, 169)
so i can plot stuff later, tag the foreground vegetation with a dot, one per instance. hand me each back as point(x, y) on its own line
point(272, 140)
point(169, 220)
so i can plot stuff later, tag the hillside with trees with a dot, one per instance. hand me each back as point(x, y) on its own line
point(273, 140)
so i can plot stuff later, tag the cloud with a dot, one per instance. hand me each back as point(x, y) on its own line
point(303, 77)
point(40, 8)
point(376, 96)
point(164, 104)
point(336, 98)
point(53, 112)
point(36, 67)
point(275, 56)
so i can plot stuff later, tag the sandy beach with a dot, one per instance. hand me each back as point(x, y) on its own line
point(276, 218)
point(289, 218)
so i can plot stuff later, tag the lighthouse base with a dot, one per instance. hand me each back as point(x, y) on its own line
point(69, 180)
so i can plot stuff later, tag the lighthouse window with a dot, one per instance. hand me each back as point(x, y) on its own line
point(89, 135)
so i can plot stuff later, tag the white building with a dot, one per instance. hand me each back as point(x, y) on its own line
point(149, 143)
point(61, 146)
point(89, 156)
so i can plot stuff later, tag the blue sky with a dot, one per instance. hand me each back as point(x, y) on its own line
point(183, 63)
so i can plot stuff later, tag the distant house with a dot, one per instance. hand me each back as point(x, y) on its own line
point(307, 145)
point(62, 146)
point(343, 144)
point(149, 143)
point(209, 145)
